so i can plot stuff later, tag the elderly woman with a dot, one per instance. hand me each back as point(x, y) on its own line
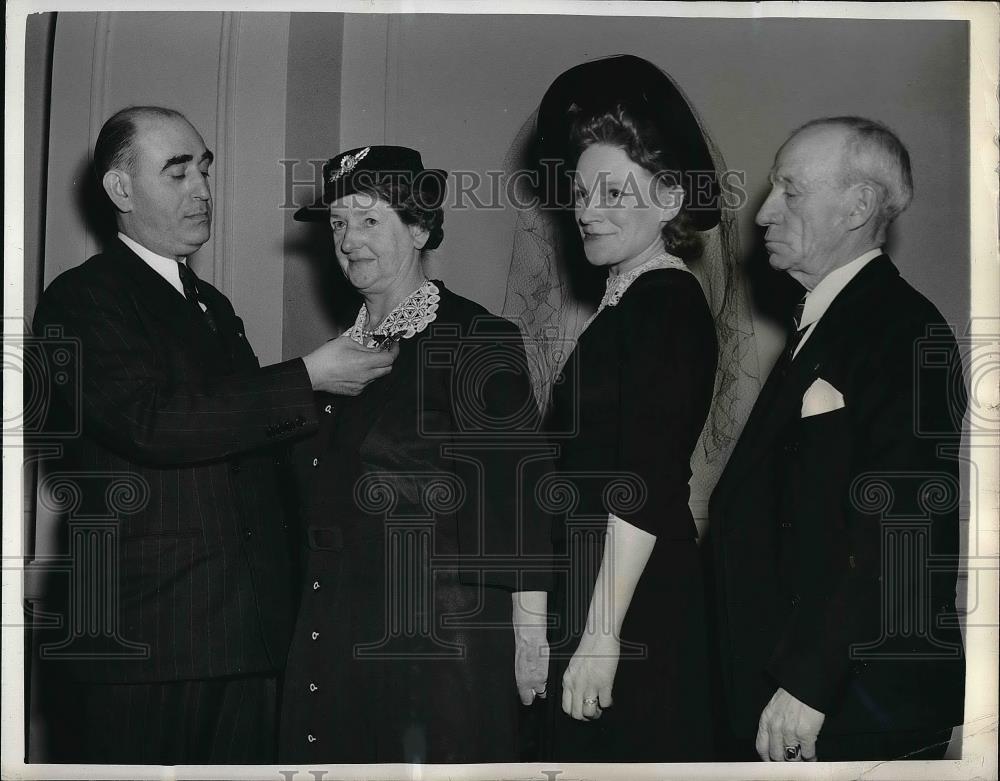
point(629, 648)
point(419, 544)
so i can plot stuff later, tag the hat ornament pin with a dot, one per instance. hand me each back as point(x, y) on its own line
point(348, 164)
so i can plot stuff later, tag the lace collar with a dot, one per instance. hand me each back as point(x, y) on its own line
point(410, 316)
point(617, 284)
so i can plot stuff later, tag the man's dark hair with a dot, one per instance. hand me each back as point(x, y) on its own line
point(115, 147)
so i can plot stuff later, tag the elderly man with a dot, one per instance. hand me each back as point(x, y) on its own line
point(835, 522)
point(185, 630)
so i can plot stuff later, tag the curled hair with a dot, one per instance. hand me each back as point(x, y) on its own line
point(640, 138)
point(874, 155)
point(416, 201)
point(115, 147)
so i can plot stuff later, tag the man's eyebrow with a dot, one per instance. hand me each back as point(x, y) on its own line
point(181, 159)
point(775, 178)
point(176, 160)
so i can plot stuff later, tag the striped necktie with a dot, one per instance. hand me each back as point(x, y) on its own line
point(797, 331)
point(189, 281)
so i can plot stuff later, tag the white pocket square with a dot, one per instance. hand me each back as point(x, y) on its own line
point(820, 398)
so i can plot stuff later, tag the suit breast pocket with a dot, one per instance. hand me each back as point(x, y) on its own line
point(817, 466)
point(824, 437)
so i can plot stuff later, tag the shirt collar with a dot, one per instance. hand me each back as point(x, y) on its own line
point(148, 255)
point(165, 267)
point(818, 300)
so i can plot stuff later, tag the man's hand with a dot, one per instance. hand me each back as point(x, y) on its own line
point(344, 367)
point(788, 722)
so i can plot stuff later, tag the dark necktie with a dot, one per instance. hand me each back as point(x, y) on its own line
point(189, 281)
point(797, 331)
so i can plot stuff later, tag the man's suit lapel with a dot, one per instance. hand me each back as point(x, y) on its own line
point(161, 299)
point(780, 399)
point(231, 334)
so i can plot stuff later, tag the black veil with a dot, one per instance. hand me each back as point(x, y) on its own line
point(552, 290)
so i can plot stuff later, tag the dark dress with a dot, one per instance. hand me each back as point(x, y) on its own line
point(635, 394)
point(416, 535)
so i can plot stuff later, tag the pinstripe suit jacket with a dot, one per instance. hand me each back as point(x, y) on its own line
point(180, 431)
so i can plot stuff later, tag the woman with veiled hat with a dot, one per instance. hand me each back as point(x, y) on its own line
point(418, 543)
point(629, 649)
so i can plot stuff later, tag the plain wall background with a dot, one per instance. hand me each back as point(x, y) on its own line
point(312, 133)
point(459, 88)
point(227, 73)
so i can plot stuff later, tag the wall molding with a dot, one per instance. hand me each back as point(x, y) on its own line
point(98, 97)
point(223, 261)
point(393, 40)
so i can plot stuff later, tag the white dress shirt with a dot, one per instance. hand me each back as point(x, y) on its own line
point(818, 299)
point(165, 267)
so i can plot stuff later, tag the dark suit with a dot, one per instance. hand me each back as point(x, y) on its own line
point(835, 536)
point(176, 459)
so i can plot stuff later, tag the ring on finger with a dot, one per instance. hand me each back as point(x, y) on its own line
point(590, 701)
point(792, 752)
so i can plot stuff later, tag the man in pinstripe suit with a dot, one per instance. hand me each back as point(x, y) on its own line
point(173, 403)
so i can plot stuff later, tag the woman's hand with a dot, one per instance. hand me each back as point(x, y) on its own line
point(531, 646)
point(590, 676)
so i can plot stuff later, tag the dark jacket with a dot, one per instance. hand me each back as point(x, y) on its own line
point(170, 481)
point(420, 517)
point(836, 535)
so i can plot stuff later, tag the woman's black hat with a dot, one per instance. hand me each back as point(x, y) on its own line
point(359, 169)
point(647, 93)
